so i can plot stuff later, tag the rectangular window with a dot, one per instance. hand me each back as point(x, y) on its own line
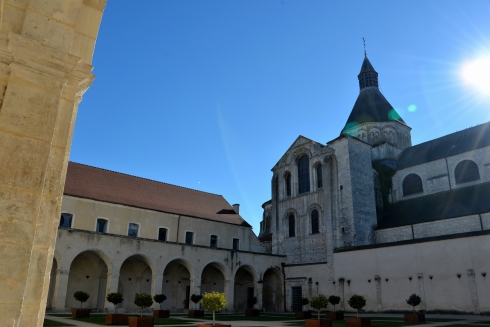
point(65, 220)
point(213, 241)
point(101, 225)
point(133, 230)
point(189, 238)
point(236, 244)
point(162, 234)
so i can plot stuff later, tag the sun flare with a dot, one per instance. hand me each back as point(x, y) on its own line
point(477, 73)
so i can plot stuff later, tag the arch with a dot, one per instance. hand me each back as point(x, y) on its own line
point(287, 183)
point(315, 221)
point(319, 174)
point(143, 257)
point(466, 171)
point(412, 184)
point(245, 278)
point(88, 272)
point(177, 277)
point(272, 293)
point(135, 276)
point(213, 277)
point(303, 174)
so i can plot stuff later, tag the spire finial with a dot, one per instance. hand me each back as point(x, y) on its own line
point(364, 41)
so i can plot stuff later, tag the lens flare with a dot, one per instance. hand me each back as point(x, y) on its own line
point(412, 108)
point(477, 74)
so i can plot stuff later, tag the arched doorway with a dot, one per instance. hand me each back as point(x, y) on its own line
point(177, 284)
point(272, 294)
point(135, 276)
point(213, 278)
point(88, 273)
point(244, 286)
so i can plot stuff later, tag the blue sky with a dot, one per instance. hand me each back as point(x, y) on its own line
point(210, 94)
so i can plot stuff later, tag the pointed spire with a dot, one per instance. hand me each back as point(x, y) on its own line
point(368, 77)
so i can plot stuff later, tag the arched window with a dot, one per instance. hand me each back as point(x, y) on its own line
point(304, 174)
point(412, 184)
point(287, 179)
point(319, 176)
point(291, 226)
point(314, 222)
point(466, 171)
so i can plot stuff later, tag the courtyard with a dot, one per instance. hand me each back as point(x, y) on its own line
point(275, 319)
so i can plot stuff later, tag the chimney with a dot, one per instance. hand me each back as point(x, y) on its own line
point(236, 207)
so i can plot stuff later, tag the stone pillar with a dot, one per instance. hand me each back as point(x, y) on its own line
point(111, 287)
point(377, 282)
point(156, 287)
point(341, 294)
point(474, 294)
point(420, 278)
point(230, 294)
point(60, 291)
point(45, 68)
point(195, 288)
point(259, 292)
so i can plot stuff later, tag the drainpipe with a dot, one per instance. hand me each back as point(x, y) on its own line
point(283, 285)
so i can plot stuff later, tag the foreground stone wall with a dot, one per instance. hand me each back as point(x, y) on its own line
point(46, 52)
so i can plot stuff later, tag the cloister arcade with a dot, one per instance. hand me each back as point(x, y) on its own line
point(99, 272)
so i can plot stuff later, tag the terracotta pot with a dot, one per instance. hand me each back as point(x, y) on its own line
point(415, 317)
point(207, 325)
point(252, 312)
point(141, 322)
point(358, 322)
point(80, 313)
point(195, 313)
point(302, 314)
point(338, 315)
point(161, 313)
point(116, 319)
point(318, 323)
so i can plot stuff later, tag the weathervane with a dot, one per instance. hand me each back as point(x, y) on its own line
point(364, 47)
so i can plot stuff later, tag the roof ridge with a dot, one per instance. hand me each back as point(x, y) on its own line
point(440, 137)
point(148, 179)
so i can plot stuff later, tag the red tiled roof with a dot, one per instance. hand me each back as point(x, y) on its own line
point(108, 186)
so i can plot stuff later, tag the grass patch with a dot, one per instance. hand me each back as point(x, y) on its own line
point(230, 317)
point(100, 320)
point(63, 315)
point(48, 322)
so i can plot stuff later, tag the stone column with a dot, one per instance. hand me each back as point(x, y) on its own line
point(60, 291)
point(259, 292)
point(230, 294)
point(111, 287)
point(156, 287)
point(341, 294)
point(377, 282)
point(420, 278)
point(474, 294)
point(45, 68)
point(195, 288)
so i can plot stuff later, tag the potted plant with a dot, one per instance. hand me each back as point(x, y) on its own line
point(81, 296)
point(357, 302)
point(213, 302)
point(115, 318)
point(303, 314)
point(334, 299)
point(414, 300)
point(196, 313)
point(143, 301)
point(159, 298)
point(250, 311)
point(318, 303)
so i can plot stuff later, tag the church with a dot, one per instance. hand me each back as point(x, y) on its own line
point(368, 213)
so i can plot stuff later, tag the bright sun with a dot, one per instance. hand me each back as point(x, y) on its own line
point(477, 73)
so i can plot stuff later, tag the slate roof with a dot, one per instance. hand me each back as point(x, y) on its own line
point(366, 66)
point(372, 106)
point(108, 186)
point(465, 201)
point(446, 146)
